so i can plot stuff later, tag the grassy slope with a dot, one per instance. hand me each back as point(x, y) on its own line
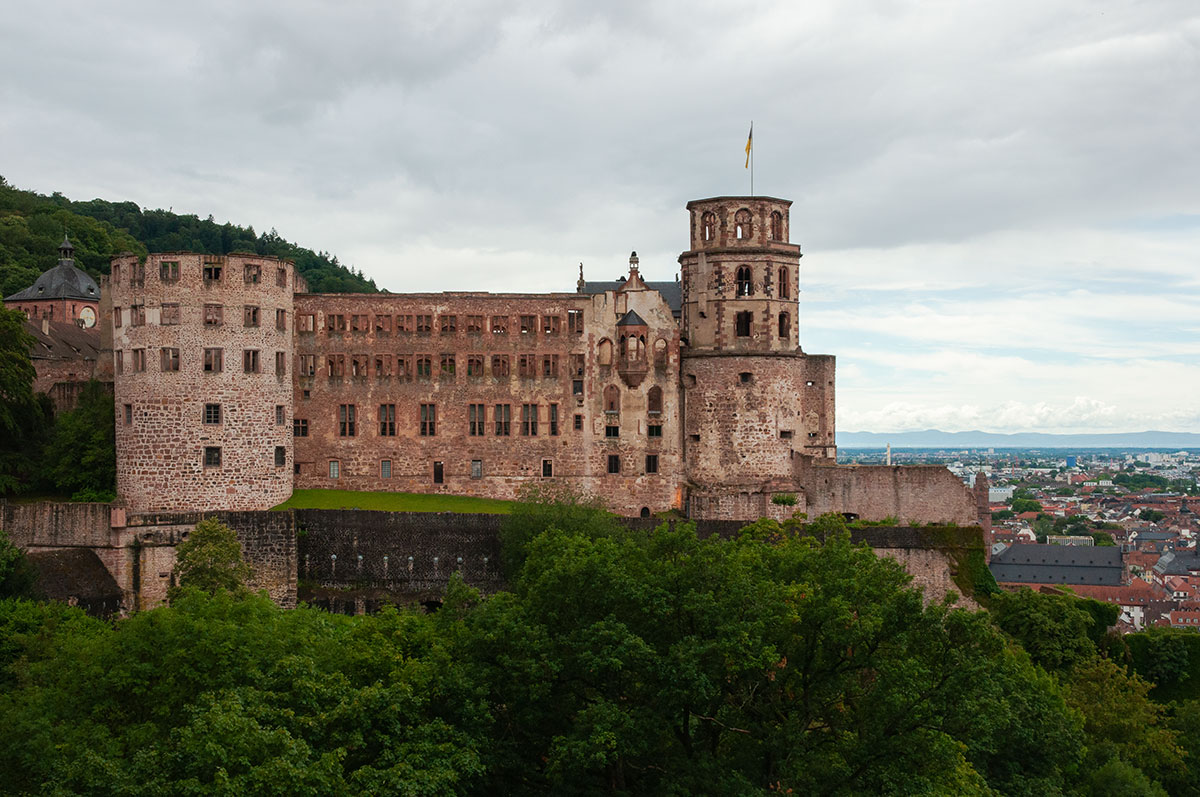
point(394, 502)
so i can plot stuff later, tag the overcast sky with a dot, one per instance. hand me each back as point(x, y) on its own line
point(999, 202)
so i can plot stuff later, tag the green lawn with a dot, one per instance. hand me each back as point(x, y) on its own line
point(394, 502)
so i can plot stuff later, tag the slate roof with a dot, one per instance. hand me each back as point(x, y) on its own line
point(631, 319)
point(672, 292)
point(64, 281)
point(1177, 563)
point(63, 340)
point(1026, 563)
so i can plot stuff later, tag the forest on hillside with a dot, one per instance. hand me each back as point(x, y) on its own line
point(32, 226)
point(784, 660)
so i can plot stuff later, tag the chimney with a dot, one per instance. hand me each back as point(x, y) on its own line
point(45, 325)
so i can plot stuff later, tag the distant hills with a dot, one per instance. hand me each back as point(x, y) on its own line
point(933, 438)
point(32, 226)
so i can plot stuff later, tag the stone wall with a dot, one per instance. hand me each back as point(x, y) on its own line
point(57, 525)
point(910, 493)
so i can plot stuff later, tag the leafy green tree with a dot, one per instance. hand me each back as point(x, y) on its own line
point(210, 560)
point(23, 416)
point(1003, 514)
point(1055, 630)
point(80, 457)
point(16, 574)
point(543, 507)
point(1152, 515)
point(1020, 505)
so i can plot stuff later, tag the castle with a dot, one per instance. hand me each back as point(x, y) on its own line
point(234, 385)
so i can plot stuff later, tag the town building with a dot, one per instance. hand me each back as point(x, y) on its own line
point(62, 293)
point(235, 385)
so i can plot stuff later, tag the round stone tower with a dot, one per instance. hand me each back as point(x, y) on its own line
point(753, 401)
point(201, 350)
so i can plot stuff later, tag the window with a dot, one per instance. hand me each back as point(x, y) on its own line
point(306, 322)
point(578, 423)
point(281, 277)
point(614, 463)
point(168, 271)
point(335, 322)
point(503, 418)
point(745, 377)
point(499, 325)
point(212, 413)
point(250, 361)
point(477, 469)
point(346, 420)
point(213, 361)
point(500, 365)
point(745, 281)
point(128, 414)
point(742, 323)
point(708, 226)
point(212, 456)
point(785, 286)
point(652, 463)
point(785, 434)
point(742, 224)
point(137, 315)
point(279, 415)
point(654, 401)
point(387, 420)
point(776, 226)
point(383, 366)
point(117, 317)
point(604, 352)
point(475, 420)
point(385, 469)
point(447, 366)
point(116, 274)
point(439, 473)
point(404, 324)
point(550, 366)
point(170, 359)
point(424, 324)
point(214, 314)
point(137, 276)
point(612, 400)
point(526, 366)
point(335, 469)
point(785, 326)
point(139, 360)
point(252, 274)
point(335, 366)
point(280, 363)
point(529, 420)
point(612, 430)
point(359, 366)
point(404, 368)
point(575, 322)
point(212, 272)
point(299, 427)
point(474, 325)
point(307, 364)
point(475, 365)
point(281, 319)
point(280, 456)
point(424, 367)
point(654, 430)
point(168, 314)
point(119, 361)
point(577, 387)
point(358, 323)
point(554, 420)
point(547, 468)
point(383, 325)
point(428, 420)
point(449, 324)
point(528, 324)
point(552, 325)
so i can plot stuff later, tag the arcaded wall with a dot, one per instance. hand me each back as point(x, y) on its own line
point(192, 333)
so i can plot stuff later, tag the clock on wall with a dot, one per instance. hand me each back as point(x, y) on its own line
point(88, 316)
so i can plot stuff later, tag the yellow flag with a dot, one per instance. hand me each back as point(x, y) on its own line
point(749, 144)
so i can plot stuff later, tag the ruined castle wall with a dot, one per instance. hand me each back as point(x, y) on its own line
point(57, 525)
point(171, 316)
point(910, 493)
point(372, 355)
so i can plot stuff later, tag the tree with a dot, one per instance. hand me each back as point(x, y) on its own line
point(23, 417)
point(1020, 505)
point(210, 560)
point(81, 456)
point(1152, 515)
point(16, 574)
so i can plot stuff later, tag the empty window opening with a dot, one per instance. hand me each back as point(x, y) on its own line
point(253, 274)
point(742, 323)
point(745, 281)
point(742, 224)
point(438, 473)
point(785, 287)
point(745, 377)
point(785, 326)
point(776, 226)
point(708, 226)
point(612, 400)
point(170, 359)
point(547, 468)
point(645, 512)
point(654, 400)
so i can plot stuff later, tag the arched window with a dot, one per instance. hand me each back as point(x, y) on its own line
point(785, 285)
point(708, 226)
point(654, 400)
point(741, 224)
point(745, 281)
point(605, 354)
point(776, 226)
point(612, 399)
point(785, 326)
point(660, 352)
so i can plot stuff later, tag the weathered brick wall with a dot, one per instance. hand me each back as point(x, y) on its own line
point(910, 493)
point(577, 456)
point(161, 433)
point(57, 525)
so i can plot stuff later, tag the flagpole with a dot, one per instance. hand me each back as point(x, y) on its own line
point(751, 157)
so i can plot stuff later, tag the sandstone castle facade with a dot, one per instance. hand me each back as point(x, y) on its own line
point(235, 385)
